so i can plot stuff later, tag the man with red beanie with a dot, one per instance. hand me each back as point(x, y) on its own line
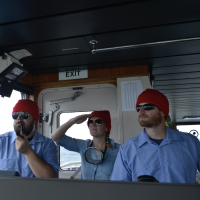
point(25, 150)
point(165, 154)
point(94, 167)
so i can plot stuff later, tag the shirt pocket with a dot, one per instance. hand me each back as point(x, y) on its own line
point(8, 164)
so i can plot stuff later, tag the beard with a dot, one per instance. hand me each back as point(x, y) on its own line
point(152, 121)
point(26, 129)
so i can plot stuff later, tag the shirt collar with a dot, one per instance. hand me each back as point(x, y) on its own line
point(13, 137)
point(112, 144)
point(111, 141)
point(37, 137)
point(143, 138)
point(171, 135)
point(90, 143)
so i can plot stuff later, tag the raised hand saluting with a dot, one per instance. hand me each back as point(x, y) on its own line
point(60, 132)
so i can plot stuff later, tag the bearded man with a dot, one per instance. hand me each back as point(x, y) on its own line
point(25, 150)
point(166, 154)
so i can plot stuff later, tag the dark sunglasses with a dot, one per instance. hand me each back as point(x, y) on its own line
point(97, 122)
point(145, 107)
point(24, 115)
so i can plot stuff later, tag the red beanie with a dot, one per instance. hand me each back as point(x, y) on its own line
point(103, 115)
point(28, 106)
point(154, 97)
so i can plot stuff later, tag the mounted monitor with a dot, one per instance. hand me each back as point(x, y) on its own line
point(11, 71)
point(14, 72)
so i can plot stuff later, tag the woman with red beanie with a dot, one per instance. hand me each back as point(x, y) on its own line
point(97, 155)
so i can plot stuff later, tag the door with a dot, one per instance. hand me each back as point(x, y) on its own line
point(89, 98)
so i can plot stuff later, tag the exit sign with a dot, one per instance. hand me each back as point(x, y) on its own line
point(76, 74)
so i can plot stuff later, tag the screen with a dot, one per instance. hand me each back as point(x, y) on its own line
point(16, 72)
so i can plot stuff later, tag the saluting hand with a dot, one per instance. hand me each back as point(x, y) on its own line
point(81, 118)
point(22, 144)
point(60, 132)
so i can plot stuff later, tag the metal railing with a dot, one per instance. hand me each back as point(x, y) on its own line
point(70, 163)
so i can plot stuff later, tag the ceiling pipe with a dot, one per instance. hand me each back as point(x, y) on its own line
point(95, 50)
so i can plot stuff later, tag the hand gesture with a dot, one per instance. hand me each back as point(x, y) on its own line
point(60, 132)
point(81, 118)
point(22, 144)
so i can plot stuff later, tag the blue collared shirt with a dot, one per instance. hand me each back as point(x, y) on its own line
point(89, 171)
point(175, 160)
point(11, 159)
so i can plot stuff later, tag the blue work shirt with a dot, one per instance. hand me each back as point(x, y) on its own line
point(103, 170)
point(175, 160)
point(11, 159)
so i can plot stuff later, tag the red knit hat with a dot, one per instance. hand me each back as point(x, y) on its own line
point(154, 97)
point(28, 106)
point(103, 115)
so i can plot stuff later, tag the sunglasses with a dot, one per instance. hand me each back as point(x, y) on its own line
point(97, 122)
point(24, 115)
point(145, 107)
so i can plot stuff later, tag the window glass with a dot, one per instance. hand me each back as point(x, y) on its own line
point(192, 129)
point(6, 107)
point(70, 160)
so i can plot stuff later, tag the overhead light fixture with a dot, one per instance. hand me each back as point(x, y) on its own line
point(191, 117)
point(11, 71)
point(95, 50)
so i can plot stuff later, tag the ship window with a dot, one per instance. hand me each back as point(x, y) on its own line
point(6, 107)
point(70, 160)
point(192, 129)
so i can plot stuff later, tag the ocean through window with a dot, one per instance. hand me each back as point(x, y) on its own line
point(6, 107)
point(70, 160)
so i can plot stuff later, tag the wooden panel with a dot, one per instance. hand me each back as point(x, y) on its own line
point(27, 79)
point(117, 71)
point(45, 78)
point(95, 76)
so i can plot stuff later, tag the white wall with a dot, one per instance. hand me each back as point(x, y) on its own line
point(128, 120)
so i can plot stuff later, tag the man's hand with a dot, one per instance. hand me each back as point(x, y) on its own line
point(22, 144)
point(39, 167)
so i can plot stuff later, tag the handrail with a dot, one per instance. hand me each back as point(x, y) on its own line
point(70, 163)
point(95, 50)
